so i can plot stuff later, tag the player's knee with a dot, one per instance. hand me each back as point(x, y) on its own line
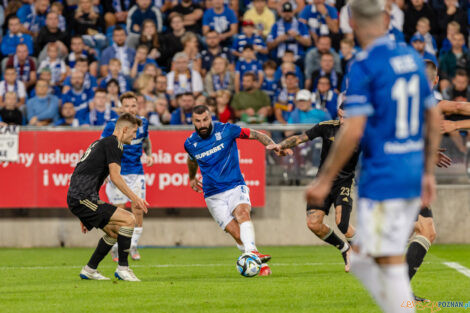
point(130, 220)
point(426, 228)
point(314, 224)
point(243, 215)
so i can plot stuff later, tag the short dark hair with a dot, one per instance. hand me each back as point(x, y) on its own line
point(127, 95)
point(81, 59)
point(461, 72)
point(187, 93)
point(291, 74)
point(76, 37)
point(118, 28)
point(250, 74)
point(201, 108)
point(127, 117)
point(269, 64)
point(250, 47)
point(100, 90)
point(431, 70)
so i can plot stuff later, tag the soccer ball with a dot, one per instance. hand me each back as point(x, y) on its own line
point(248, 265)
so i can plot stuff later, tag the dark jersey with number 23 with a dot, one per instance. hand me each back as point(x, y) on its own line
point(93, 168)
point(327, 131)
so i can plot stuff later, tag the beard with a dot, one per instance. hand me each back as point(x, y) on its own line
point(204, 132)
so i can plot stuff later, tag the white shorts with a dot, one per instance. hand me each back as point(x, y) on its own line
point(384, 227)
point(221, 205)
point(136, 183)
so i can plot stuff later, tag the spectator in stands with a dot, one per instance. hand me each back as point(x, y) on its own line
point(99, 112)
point(249, 37)
point(160, 86)
point(181, 79)
point(222, 19)
point(58, 9)
point(140, 61)
point(419, 44)
point(324, 97)
point(459, 90)
point(146, 86)
point(160, 115)
point(270, 85)
point(452, 13)
point(9, 112)
point(219, 77)
point(46, 74)
point(326, 69)
point(248, 63)
point(397, 16)
point(11, 10)
point(24, 65)
point(313, 57)
point(192, 13)
point(78, 95)
point(347, 54)
point(89, 81)
point(149, 37)
point(285, 100)
point(452, 29)
point(224, 111)
point(289, 57)
point(12, 84)
point(15, 37)
point(321, 18)
point(288, 33)
point(423, 27)
point(143, 10)
point(413, 13)
point(89, 23)
point(304, 112)
point(115, 72)
point(393, 32)
point(251, 104)
point(183, 114)
point(262, 16)
point(78, 50)
point(191, 49)
point(51, 33)
point(33, 16)
point(171, 41)
point(43, 109)
point(118, 50)
point(67, 113)
point(112, 88)
point(55, 64)
point(214, 49)
point(116, 11)
point(455, 59)
point(344, 26)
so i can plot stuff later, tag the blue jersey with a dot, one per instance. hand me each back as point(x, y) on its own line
point(130, 162)
point(217, 157)
point(243, 67)
point(219, 22)
point(388, 84)
point(80, 100)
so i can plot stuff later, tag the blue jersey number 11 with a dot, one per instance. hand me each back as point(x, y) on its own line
point(403, 90)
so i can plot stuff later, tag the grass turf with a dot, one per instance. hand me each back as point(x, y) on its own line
point(305, 279)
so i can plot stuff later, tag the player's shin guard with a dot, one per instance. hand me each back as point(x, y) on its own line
point(334, 240)
point(104, 245)
point(247, 236)
point(136, 236)
point(124, 244)
point(388, 284)
point(416, 253)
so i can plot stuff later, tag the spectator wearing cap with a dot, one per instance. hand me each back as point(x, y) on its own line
point(192, 13)
point(15, 37)
point(313, 57)
point(141, 11)
point(43, 109)
point(262, 16)
point(419, 44)
point(324, 98)
point(304, 112)
point(423, 28)
point(285, 100)
point(24, 65)
point(413, 13)
point(118, 50)
point(222, 19)
point(326, 69)
point(249, 37)
point(248, 63)
point(288, 33)
point(321, 18)
point(214, 49)
point(251, 104)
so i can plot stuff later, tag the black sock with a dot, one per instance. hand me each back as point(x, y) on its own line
point(416, 253)
point(124, 243)
point(104, 245)
point(334, 240)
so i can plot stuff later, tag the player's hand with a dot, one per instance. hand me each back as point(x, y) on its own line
point(84, 230)
point(141, 204)
point(149, 161)
point(274, 146)
point(442, 159)
point(428, 189)
point(196, 185)
point(317, 191)
point(447, 126)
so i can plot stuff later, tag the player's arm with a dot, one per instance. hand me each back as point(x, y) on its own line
point(147, 147)
point(448, 107)
point(195, 184)
point(248, 133)
point(118, 181)
point(290, 142)
point(450, 126)
point(431, 145)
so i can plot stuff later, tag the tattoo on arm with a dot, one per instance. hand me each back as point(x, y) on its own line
point(263, 138)
point(192, 168)
point(147, 146)
point(293, 141)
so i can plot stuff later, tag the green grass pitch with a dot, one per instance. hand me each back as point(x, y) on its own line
point(305, 279)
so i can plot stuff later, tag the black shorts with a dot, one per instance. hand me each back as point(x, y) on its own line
point(91, 213)
point(425, 212)
point(340, 194)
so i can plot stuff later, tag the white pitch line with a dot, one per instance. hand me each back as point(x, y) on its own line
point(458, 267)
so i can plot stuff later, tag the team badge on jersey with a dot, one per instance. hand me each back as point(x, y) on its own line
point(218, 136)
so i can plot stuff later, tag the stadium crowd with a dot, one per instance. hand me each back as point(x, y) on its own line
point(65, 63)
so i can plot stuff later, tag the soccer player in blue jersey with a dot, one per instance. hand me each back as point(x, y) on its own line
point(131, 170)
point(213, 148)
point(390, 106)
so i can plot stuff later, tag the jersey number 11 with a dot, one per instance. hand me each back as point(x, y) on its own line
point(402, 90)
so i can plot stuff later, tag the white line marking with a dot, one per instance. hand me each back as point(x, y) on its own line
point(458, 267)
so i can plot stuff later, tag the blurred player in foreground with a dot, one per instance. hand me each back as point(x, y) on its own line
point(340, 194)
point(213, 148)
point(101, 159)
point(390, 106)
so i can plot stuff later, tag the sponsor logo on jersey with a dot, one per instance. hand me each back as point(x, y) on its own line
point(210, 152)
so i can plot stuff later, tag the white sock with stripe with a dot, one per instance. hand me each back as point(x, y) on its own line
point(136, 236)
point(247, 236)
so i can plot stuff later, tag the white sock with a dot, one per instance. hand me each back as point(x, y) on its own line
point(241, 247)
point(115, 247)
point(388, 284)
point(136, 236)
point(247, 236)
point(122, 268)
point(89, 269)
